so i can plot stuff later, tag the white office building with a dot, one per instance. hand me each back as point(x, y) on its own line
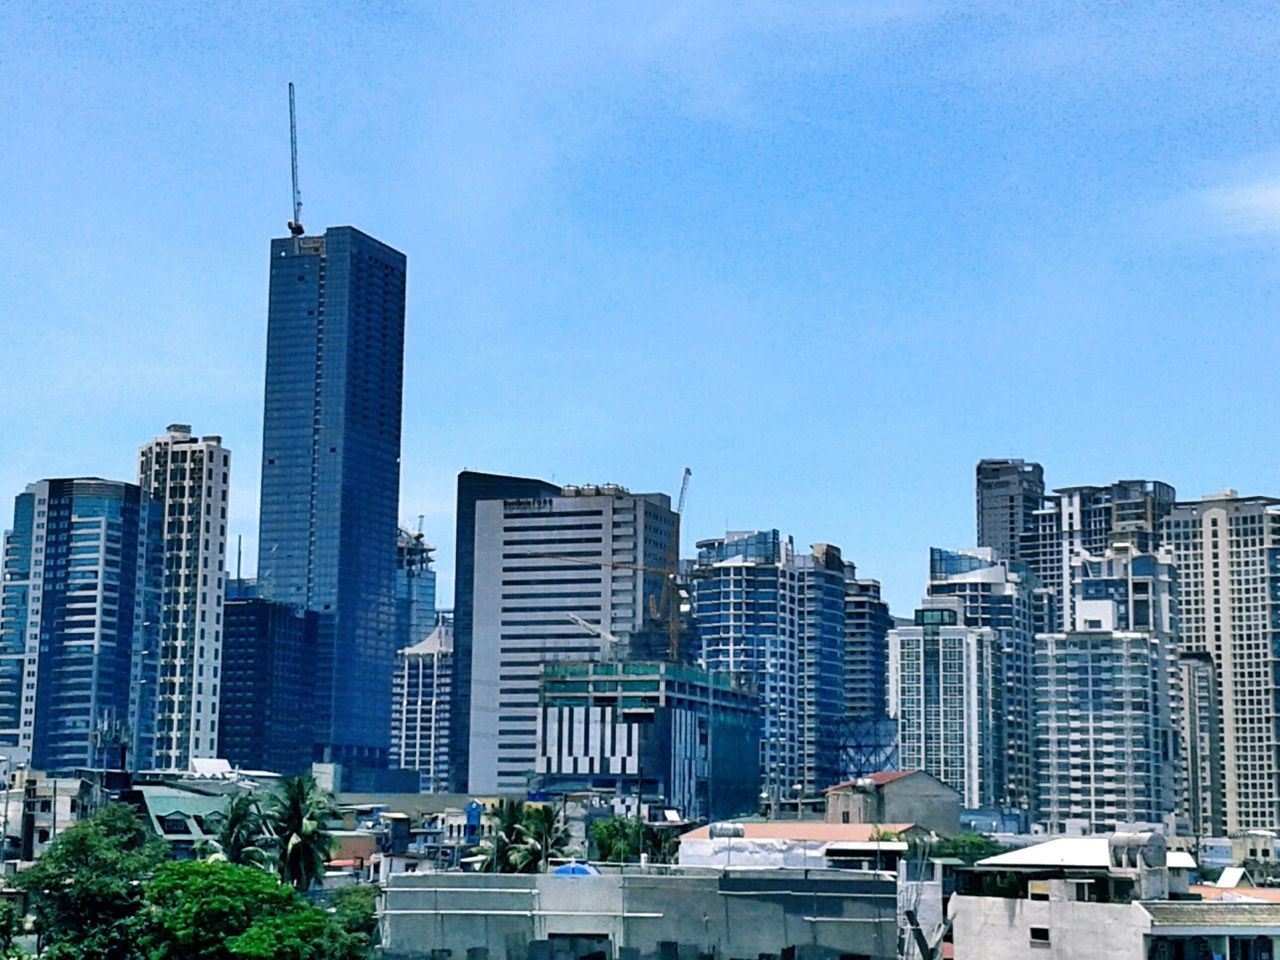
point(579, 576)
point(420, 708)
point(941, 683)
point(1227, 550)
point(189, 477)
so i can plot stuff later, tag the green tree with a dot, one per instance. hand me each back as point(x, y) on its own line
point(304, 935)
point(969, 847)
point(86, 891)
point(10, 925)
point(297, 814)
point(194, 907)
point(505, 820)
point(542, 835)
point(242, 836)
point(624, 839)
point(355, 909)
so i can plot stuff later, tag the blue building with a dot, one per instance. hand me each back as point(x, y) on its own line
point(775, 623)
point(78, 621)
point(473, 488)
point(415, 589)
point(331, 473)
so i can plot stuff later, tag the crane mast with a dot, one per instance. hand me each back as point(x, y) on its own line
point(295, 225)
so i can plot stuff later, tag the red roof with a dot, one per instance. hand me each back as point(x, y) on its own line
point(879, 779)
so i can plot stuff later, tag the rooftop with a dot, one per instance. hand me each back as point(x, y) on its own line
point(879, 779)
point(809, 830)
point(1187, 913)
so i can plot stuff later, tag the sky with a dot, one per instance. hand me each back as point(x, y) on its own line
point(825, 255)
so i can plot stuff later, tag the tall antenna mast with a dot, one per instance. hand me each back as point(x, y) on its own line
point(295, 225)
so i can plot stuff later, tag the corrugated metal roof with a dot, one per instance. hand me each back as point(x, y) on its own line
point(808, 830)
point(1092, 852)
point(1182, 913)
point(879, 779)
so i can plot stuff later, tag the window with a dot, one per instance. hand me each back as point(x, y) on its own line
point(1040, 935)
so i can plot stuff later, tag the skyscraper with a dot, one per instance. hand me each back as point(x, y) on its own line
point(331, 472)
point(188, 477)
point(268, 649)
point(80, 604)
point(1075, 521)
point(1203, 789)
point(1001, 595)
point(575, 576)
point(1227, 551)
point(415, 589)
point(941, 675)
point(420, 708)
point(1009, 493)
point(472, 488)
point(1107, 698)
point(775, 622)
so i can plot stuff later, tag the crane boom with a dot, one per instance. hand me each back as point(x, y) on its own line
point(295, 225)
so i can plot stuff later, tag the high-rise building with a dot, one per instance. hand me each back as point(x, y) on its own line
point(79, 608)
point(420, 708)
point(941, 678)
point(574, 576)
point(188, 477)
point(650, 731)
point(1077, 521)
point(1009, 494)
point(1001, 595)
point(472, 488)
point(415, 589)
point(1227, 550)
point(1202, 746)
point(775, 622)
point(867, 739)
point(331, 472)
point(268, 649)
point(1107, 698)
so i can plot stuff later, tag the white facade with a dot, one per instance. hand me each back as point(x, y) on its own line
point(1107, 698)
point(940, 692)
point(1227, 550)
point(420, 708)
point(189, 476)
point(594, 553)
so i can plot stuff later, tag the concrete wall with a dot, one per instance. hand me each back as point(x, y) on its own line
point(641, 915)
point(924, 801)
point(995, 928)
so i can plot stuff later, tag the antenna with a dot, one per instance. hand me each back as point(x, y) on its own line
point(295, 225)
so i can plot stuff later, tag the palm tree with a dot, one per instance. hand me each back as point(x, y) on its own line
point(505, 819)
point(543, 835)
point(296, 816)
point(241, 832)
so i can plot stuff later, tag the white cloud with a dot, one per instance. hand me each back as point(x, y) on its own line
point(1247, 208)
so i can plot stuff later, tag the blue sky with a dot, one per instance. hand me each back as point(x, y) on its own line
point(825, 255)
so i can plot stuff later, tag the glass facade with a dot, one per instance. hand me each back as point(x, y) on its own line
point(82, 571)
point(331, 472)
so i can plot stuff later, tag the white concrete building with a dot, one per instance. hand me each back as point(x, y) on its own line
point(941, 675)
point(189, 477)
point(1107, 701)
point(572, 577)
point(1227, 550)
point(420, 708)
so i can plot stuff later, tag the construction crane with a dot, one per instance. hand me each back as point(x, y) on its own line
point(612, 643)
point(664, 609)
point(295, 225)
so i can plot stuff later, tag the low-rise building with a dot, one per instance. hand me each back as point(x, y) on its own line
point(1090, 898)
point(798, 845)
point(640, 913)
point(896, 796)
point(660, 733)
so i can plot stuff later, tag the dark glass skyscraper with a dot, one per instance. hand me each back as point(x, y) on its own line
point(331, 472)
